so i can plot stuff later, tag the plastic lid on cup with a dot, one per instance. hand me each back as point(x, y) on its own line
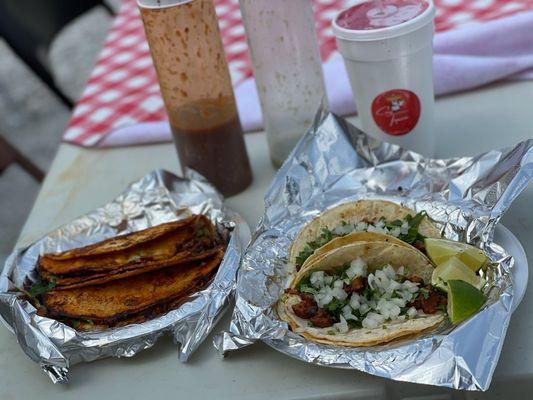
point(420, 20)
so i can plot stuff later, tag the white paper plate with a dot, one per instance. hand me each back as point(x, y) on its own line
point(505, 238)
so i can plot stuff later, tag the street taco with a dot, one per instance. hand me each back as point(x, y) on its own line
point(377, 217)
point(363, 294)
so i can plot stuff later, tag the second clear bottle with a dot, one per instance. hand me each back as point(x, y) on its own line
point(287, 68)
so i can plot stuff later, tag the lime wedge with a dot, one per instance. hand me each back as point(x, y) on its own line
point(464, 300)
point(441, 250)
point(455, 269)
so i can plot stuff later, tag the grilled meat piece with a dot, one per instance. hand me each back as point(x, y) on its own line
point(321, 319)
point(355, 286)
point(307, 308)
point(432, 303)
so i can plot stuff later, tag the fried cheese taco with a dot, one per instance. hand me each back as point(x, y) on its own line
point(361, 221)
point(364, 294)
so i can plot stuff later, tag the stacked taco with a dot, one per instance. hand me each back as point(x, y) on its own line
point(363, 277)
point(129, 278)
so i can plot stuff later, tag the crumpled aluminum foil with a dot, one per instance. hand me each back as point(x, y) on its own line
point(334, 163)
point(157, 198)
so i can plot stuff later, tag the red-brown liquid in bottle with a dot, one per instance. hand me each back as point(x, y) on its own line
point(210, 140)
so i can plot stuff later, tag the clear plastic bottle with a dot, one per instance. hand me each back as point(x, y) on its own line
point(287, 68)
point(193, 75)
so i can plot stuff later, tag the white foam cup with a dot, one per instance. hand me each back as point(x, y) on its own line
point(391, 75)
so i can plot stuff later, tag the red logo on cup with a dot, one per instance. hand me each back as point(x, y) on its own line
point(396, 111)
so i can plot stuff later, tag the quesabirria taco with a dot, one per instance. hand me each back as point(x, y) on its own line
point(364, 294)
point(361, 221)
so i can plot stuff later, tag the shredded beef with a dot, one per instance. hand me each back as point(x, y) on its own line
point(415, 279)
point(321, 319)
point(420, 246)
point(306, 308)
point(432, 303)
point(355, 286)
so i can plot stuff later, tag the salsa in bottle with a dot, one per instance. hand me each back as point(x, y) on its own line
point(193, 75)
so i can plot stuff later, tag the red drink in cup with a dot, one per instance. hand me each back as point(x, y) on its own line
point(380, 14)
point(387, 49)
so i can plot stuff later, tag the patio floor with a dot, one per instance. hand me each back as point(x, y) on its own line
point(31, 117)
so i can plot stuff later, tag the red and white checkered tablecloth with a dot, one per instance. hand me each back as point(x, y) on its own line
point(123, 90)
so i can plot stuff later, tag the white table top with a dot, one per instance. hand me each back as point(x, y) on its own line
point(80, 180)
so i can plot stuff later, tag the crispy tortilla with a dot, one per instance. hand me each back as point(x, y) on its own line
point(352, 213)
point(191, 239)
point(134, 298)
point(63, 283)
point(376, 255)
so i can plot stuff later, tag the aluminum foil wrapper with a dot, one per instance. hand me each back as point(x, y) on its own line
point(157, 198)
point(334, 163)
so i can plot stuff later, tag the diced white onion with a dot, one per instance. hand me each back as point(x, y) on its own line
point(410, 286)
point(395, 232)
point(339, 293)
point(338, 284)
point(361, 226)
point(404, 229)
point(411, 313)
point(341, 326)
point(355, 301)
point(398, 302)
point(317, 279)
point(371, 281)
point(390, 272)
point(372, 320)
point(388, 299)
point(357, 268)
point(343, 229)
point(347, 313)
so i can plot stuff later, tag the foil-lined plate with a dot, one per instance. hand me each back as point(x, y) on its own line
point(157, 198)
point(335, 163)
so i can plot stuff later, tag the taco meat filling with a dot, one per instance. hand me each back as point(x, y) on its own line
point(404, 229)
point(430, 301)
point(349, 297)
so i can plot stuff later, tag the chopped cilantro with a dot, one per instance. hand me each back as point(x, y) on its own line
point(340, 273)
point(368, 292)
point(424, 292)
point(40, 288)
point(397, 223)
point(334, 308)
point(307, 289)
point(77, 322)
point(304, 282)
point(325, 237)
point(354, 324)
point(412, 236)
